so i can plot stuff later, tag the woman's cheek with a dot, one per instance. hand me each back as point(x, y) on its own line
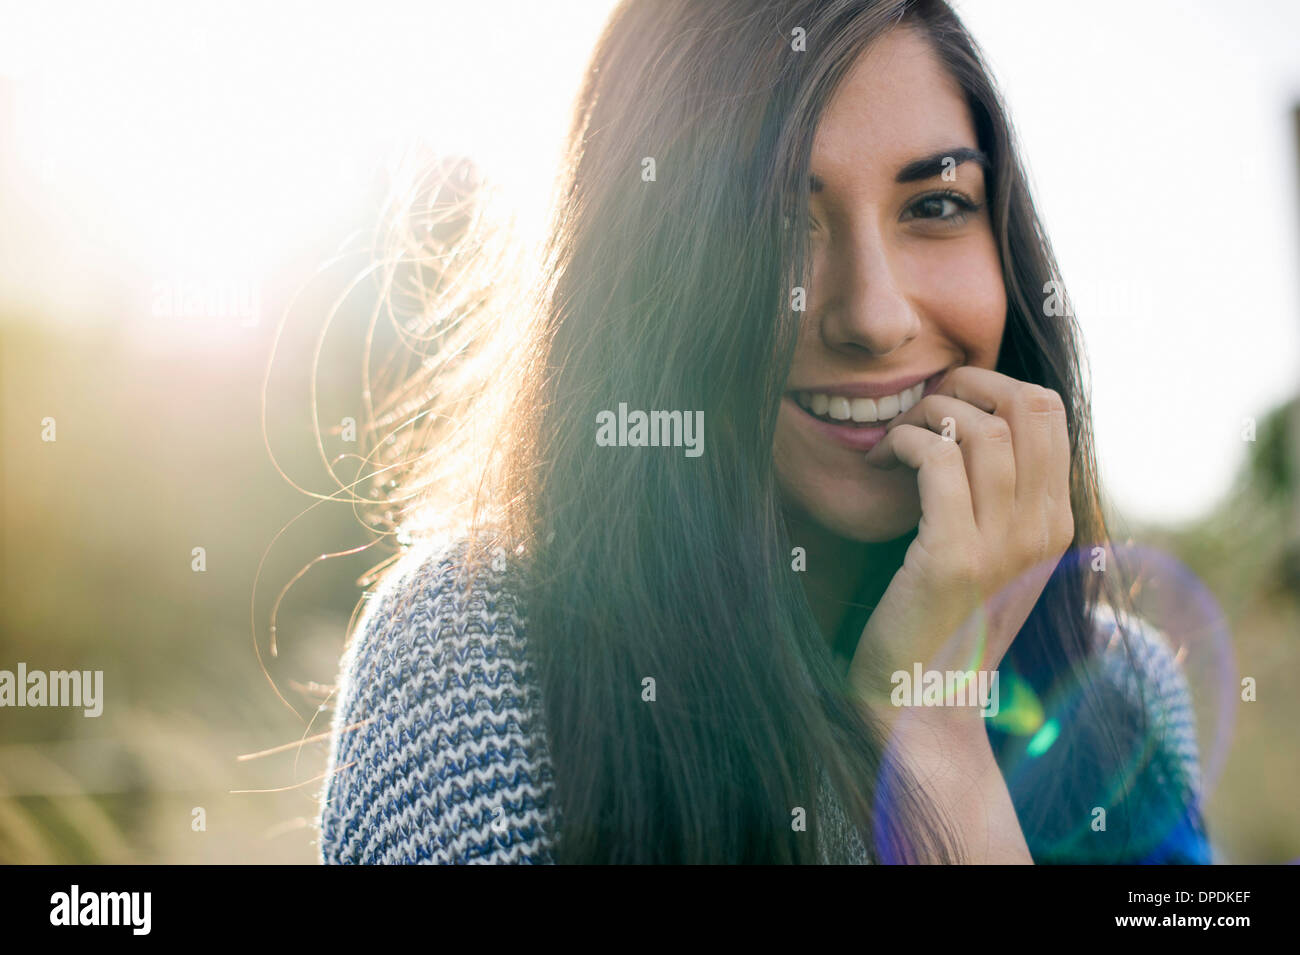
point(965, 295)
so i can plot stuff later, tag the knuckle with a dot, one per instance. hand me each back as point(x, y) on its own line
point(1040, 400)
point(993, 428)
point(942, 453)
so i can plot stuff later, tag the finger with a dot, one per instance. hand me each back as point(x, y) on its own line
point(1058, 485)
point(986, 446)
point(1030, 411)
point(1036, 419)
point(1059, 482)
point(940, 475)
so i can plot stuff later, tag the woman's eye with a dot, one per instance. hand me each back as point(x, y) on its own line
point(947, 208)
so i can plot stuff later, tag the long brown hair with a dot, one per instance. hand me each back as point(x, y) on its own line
point(673, 293)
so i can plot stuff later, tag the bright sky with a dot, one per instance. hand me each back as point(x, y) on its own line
point(204, 138)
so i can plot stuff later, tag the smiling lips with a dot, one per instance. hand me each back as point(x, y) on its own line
point(841, 409)
point(849, 406)
point(857, 421)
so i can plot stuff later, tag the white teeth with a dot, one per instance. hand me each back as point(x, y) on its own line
point(864, 409)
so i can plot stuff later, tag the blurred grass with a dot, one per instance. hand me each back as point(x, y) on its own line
point(159, 450)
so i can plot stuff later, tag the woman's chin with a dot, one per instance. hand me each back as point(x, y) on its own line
point(868, 518)
point(874, 528)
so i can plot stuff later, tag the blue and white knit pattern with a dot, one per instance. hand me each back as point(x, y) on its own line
point(439, 751)
point(1159, 676)
point(438, 755)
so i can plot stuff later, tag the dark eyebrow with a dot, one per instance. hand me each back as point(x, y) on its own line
point(929, 166)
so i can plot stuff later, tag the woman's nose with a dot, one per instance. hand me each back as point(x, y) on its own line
point(867, 308)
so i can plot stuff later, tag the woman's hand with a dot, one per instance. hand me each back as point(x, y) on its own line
point(992, 456)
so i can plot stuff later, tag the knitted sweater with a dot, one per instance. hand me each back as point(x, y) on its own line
point(439, 751)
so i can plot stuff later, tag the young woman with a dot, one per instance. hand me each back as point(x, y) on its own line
point(795, 240)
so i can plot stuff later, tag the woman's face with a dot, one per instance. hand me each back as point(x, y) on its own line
point(905, 284)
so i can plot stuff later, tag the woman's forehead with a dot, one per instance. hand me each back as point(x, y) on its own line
point(897, 102)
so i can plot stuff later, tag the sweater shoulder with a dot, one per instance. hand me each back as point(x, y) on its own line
point(1139, 660)
point(438, 752)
